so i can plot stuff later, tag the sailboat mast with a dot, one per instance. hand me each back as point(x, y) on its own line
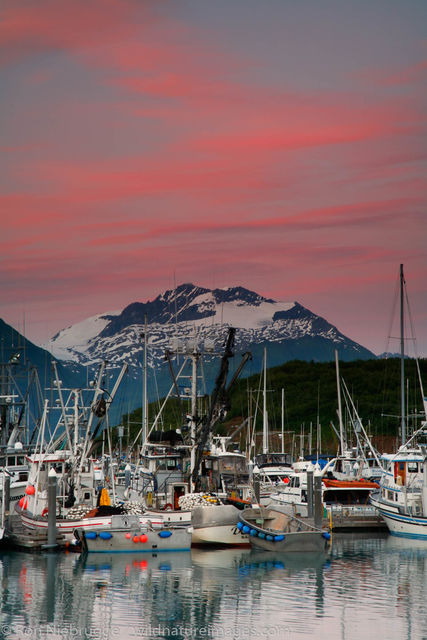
point(402, 355)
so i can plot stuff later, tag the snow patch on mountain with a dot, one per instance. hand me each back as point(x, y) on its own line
point(69, 343)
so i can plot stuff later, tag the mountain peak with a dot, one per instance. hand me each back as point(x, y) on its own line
point(291, 330)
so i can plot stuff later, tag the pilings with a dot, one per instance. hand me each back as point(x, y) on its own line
point(318, 507)
point(310, 493)
point(51, 506)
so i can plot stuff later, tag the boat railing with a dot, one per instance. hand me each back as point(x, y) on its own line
point(351, 510)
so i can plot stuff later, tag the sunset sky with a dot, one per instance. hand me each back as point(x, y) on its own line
point(275, 144)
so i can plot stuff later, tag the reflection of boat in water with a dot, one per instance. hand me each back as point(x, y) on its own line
point(117, 566)
point(226, 558)
point(290, 562)
point(406, 546)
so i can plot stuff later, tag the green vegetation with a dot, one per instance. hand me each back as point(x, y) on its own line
point(310, 396)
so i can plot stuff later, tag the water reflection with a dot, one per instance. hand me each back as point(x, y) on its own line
point(362, 585)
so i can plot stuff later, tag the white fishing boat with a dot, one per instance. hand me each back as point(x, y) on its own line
point(18, 414)
point(402, 496)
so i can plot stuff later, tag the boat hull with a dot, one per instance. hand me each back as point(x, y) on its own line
point(222, 535)
point(217, 525)
point(272, 530)
point(67, 527)
point(127, 535)
point(402, 525)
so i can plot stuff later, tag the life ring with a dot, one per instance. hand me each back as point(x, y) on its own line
point(45, 511)
point(168, 507)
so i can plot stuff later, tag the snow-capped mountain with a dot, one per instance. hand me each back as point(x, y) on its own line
point(287, 329)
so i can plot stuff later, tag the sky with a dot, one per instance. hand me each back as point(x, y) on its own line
point(276, 145)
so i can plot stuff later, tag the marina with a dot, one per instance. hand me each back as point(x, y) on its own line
point(200, 536)
point(213, 397)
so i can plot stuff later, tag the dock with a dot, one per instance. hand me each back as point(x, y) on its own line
point(353, 518)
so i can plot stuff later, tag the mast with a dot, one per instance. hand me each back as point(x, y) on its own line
point(265, 415)
point(145, 398)
point(342, 443)
point(402, 356)
point(283, 421)
point(193, 425)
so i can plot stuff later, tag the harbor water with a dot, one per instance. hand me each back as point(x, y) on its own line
point(365, 586)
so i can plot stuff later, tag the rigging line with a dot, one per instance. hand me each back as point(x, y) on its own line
point(393, 314)
point(414, 342)
point(387, 346)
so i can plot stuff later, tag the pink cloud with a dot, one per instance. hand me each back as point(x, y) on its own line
point(410, 74)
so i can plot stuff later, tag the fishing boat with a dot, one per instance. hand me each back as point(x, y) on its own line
point(216, 525)
point(402, 495)
point(126, 534)
point(19, 413)
point(272, 530)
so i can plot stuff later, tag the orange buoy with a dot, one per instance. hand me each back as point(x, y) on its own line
point(143, 538)
point(30, 490)
point(135, 538)
point(127, 535)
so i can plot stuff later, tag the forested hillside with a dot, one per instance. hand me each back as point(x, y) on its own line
point(310, 398)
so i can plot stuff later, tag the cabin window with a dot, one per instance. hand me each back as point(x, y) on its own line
point(391, 495)
point(171, 464)
point(413, 467)
point(57, 466)
point(11, 461)
point(20, 460)
point(86, 495)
